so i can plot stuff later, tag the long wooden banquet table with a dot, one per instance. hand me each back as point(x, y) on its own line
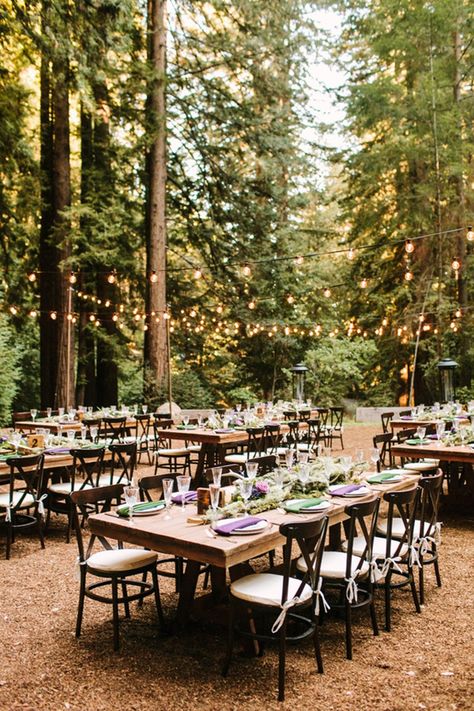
point(196, 543)
point(54, 426)
point(412, 423)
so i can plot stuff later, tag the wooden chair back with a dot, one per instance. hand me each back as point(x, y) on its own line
point(308, 538)
point(26, 477)
point(385, 442)
point(86, 500)
point(362, 522)
point(402, 505)
point(431, 487)
point(272, 438)
point(87, 465)
point(386, 418)
point(114, 428)
point(124, 459)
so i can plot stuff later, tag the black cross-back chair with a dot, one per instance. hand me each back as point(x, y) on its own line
point(426, 528)
point(113, 566)
point(350, 573)
point(311, 438)
point(396, 548)
point(141, 433)
point(122, 465)
point(335, 428)
point(173, 460)
point(255, 446)
point(383, 442)
point(272, 438)
point(86, 469)
point(386, 418)
point(25, 484)
point(113, 429)
point(276, 600)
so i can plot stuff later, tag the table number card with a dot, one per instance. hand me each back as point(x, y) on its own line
point(35, 440)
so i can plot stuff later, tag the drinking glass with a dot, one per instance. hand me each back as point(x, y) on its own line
point(289, 457)
point(167, 494)
point(360, 457)
point(94, 432)
point(33, 414)
point(83, 432)
point(144, 409)
point(278, 478)
point(440, 428)
point(61, 412)
point(238, 407)
point(184, 482)
point(49, 411)
point(216, 475)
point(185, 420)
point(214, 491)
point(346, 463)
point(375, 456)
point(71, 435)
point(251, 469)
point(200, 421)
point(131, 496)
point(303, 457)
point(303, 475)
point(16, 439)
point(420, 433)
point(72, 413)
point(325, 451)
point(246, 487)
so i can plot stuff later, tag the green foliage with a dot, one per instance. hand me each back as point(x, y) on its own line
point(9, 372)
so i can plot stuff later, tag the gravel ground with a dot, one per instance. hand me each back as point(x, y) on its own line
point(426, 662)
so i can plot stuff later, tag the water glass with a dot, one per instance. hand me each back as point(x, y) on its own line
point(289, 458)
point(61, 412)
point(167, 485)
point(49, 412)
point(94, 431)
point(131, 497)
point(278, 478)
point(216, 476)
point(246, 487)
point(440, 428)
point(420, 433)
point(360, 456)
point(184, 482)
point(33, 414)
point(144, 409)
point(303, 475)
point(251, 469)
point(303, 457)
point(83, 432)
point(214, 492)
point(375, 456)
point(71, 436)
point(185, 420)
point(346, 463)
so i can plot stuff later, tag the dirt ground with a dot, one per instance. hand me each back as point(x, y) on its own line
point(426, 662)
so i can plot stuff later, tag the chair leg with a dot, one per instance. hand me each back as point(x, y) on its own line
point(348, 611)
point(230, 641)
point(317, 648)
point(437, 573)
point(156, 588)
point(144, 577)
point(388, 602)
point(115, 611)
point(125, 599)
point(282, 663)
point(421, 581)
point(413, 591)
point(39, 521)
point(9, 540)
point(373, 617)
point(80, 607)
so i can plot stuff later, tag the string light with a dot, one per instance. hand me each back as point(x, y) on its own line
point(470, 234)
point(299, 260)
point(350, 254)
point(251, 305)
point(290, 299)
point(363, 284)
point(458, 313)
point(197, 274)
point(409, 247)
point(32, 277)
point(456, 264)
point(72, 278)
point(327, 293)
point(246, 271)
point(153, 277)
point(92, 318)
point(408, 275)
point(33, 313)
point(53, 315)
point(111, 278)
point(13, 310)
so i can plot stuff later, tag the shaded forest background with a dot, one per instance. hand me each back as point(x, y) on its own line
point(355, 260)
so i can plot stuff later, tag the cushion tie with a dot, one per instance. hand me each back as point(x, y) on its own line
point(390, 563)
point(423, 544)
point(414, 558)
point(77, 567)
point(351, 590)
point(287, 605)
point(41, 504)
point(8, 513)
point(320, 598)
point(375, 572)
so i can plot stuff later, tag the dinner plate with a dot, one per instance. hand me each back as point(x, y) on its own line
point(149, 512)
point(223, 431)
point(363, 491)
point(248, 530)
point(307, 509)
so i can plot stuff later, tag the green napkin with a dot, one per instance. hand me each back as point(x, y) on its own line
point(416, 440)
point(145, 506)
point(303, 504)
point(379, 478)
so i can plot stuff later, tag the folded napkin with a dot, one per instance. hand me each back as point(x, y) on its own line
point(346, 489)
point(303, 504)
point(226, 529)
point(144, 506)
point(416, 440)
point(57, 450)
point(406, 417)
point(187, 427)
point(188, 497)
point(383, 476)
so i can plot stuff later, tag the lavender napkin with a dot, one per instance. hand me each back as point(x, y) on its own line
point(189, 496)
point(343, 490)
point(57, 450)
point(406, 417)
point(226, 529)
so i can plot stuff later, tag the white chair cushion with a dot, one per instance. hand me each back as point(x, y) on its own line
point(266, 588)
point(236, 458)
point(398, 529)
point(27, 501)
point(172, 452)
point(333, 565)
point(194, 448)
point(105, 480)
point(118, 560)
point(420, 466)
point(65, 487)
point(378, 548)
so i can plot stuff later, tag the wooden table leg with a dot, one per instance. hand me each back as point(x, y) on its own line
point(187, 592)
point(205, 460)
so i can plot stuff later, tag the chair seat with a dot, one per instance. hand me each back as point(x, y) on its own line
point(236, 458)
point(172, 452)
point(398, 529)
point(121, 560)
point(333, 565)
point(423, 466)
point(106, 480)
point(194, 448)
point(29, 500)
point(266, 589)
point(379, 547)
point(65, 487)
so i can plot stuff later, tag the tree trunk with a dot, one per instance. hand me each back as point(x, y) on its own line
point(155, 354)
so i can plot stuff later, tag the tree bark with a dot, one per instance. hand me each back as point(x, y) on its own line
point(155, 353)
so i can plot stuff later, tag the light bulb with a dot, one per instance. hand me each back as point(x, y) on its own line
point(111, 278)
point(456, 264)
point(92, 318)
point(53, 315)
point(290, 299)
point(350, 254)
point(327, 293)
point(409, 246)
point(153, 277)
point(408, 276)
point(32, 277)
point(33, 313)
point(470, 234)
point(72, 278)
point(299, 260)
point(252, 305)
point(197, 274)
point(246, 270)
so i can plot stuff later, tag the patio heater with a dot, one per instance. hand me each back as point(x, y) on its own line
point(446, 368)
point(299, 375)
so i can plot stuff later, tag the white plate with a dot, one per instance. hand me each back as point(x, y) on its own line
point(149, 512)
point(318, 507)
point(248, 530)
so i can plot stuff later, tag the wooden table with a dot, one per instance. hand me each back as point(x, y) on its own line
point(404, 424)
point(54, 426)
point(194, 542)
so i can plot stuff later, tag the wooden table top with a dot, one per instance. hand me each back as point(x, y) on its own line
point(216, 437)
point(177, 537)
point(458, 453)
point(54, 426)
point(404, 424)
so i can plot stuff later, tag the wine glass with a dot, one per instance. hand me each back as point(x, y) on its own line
point(246, 487)
point(214, 492)
point(83, 433)
point(94, 432)
point(289, 458)
point(131, 496)
point(346, 463)
point(420, 433)
point(167, 494)
point(16, 439)
point(251, 469)
point(144, 409)
point(184, 482)
point(278, 478)
point(71, 436)
point(303, 475)
point(185, 420)
point(33, 414)
point(303, 457)
point(440, 428)
point(49, 411)
point(200, 421)
point(61, 412)
point(375, 457)
point(216, 476)
point(238, 407)
point(360, 456)
point(72, 413)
